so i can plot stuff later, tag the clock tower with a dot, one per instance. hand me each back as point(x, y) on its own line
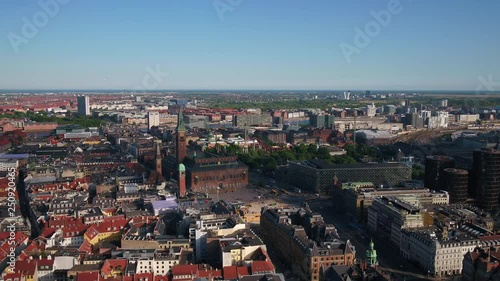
point(182, 180)
point(181, 139)
point(158, 159)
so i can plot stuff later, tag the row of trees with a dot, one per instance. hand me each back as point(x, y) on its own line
point(268, 162)
point(43, 116)
point(290, 104)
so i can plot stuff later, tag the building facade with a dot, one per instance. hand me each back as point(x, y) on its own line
point(456, 183)
point(212, 174)
point(251, 119)
point(180, 149)
point(317, 176)
point(153, 119)
point(83, 105)
point(356, 201)
point(387, 216)
point(304, 255)
point(438, 256)
point(434, 166)
point(486, 177)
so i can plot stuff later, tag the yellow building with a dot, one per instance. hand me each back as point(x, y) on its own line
point(111, 229)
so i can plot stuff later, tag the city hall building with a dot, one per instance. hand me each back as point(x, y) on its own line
point(204, 172)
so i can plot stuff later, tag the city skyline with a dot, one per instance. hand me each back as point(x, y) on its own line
point(251, 45)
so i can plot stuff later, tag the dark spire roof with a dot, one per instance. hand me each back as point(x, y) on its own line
point(180, 121)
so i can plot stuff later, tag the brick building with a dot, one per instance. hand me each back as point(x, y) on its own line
point(278, 137)
point(210, 172)
point(306, 254)
point(481, 265)
point(205, 172)
point(40, 126)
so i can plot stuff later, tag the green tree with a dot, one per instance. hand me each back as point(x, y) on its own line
point(323, 153)
point(269, 164)
point(417, 172)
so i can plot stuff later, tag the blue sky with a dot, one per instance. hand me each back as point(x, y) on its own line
point(258, 44)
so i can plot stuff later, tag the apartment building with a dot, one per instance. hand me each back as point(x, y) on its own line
point(305, 255)
point(439, 254)
point(387, 216)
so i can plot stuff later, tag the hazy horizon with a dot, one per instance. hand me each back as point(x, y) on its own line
point(355, 91)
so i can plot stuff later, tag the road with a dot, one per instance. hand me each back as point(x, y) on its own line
point(388, 254)
point(389, 260)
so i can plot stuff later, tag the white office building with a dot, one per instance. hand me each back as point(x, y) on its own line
point(83, 105)
point(153, 119)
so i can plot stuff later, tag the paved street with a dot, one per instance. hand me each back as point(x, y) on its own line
point(390, 261)
point(388, 255)
point(389, 258)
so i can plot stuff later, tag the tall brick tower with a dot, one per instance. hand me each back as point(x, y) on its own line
point(181, 139)
point(182, 180)
point(158, 159)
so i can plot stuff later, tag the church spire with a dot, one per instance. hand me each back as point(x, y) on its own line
point(180, 121)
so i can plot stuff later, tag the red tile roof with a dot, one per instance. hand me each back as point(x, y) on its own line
point(184, 269)
point(143, 276)
point(43, 263)
point(75, 231)
point(35, 246)
point(243, 271)
point(66, 221)
point(209, 273)
point(115, 225)
point(19, 239)
point(4, 235)
point(262, 267)
point(488, 238)
point(87, 276)
point(13, 276)
point(110, 264)
point(86, 247)
point(230, 272)
point(48, 232)
point(25, 267)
